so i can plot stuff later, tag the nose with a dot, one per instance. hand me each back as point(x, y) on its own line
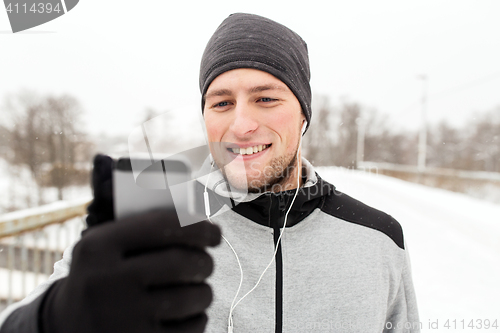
point(244, 122)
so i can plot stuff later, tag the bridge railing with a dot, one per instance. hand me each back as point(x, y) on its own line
point(31, 241)
point(479, 184)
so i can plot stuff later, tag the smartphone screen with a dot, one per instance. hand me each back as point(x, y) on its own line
point(165, 184)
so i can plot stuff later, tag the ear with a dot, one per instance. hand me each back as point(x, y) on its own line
point(304, 126)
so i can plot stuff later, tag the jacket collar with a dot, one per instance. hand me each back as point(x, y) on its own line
point(268, 208)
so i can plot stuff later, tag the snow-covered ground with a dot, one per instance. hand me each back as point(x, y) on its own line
point(18, 190)
point(454, 244)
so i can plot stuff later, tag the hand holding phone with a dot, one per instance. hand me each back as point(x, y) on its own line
point(143, 273)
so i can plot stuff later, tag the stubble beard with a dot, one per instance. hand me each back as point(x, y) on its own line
point(274, 177)
point(282, 169)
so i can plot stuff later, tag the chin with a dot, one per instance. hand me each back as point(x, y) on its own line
point(236, 176)
point(240, 180)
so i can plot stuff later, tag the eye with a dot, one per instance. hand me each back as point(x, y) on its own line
point(268, 99)
point(220, 104)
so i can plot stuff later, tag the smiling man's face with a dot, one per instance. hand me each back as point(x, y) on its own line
point(258, 119)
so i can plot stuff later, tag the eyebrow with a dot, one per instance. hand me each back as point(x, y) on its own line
point(218, 92)
point(267, 87)
point(226, 92)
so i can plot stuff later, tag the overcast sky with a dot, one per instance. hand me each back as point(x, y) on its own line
point(120, 57)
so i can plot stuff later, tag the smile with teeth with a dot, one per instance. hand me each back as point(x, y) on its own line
point(249, 150)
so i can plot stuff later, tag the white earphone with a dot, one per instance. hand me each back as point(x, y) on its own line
point(207, 212)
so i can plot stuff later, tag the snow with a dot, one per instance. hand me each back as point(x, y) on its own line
point(45, 209)
point(18, 190)
point(452, 240)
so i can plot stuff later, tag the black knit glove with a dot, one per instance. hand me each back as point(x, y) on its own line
point(140, 274)
point(101, 208)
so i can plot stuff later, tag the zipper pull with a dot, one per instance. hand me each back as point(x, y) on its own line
point(281, 203)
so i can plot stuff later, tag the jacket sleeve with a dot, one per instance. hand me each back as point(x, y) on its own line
point(22, 317)
point(402, 316)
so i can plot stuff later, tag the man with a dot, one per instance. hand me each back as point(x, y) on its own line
point(337, 266)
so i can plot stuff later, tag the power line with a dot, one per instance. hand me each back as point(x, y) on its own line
point(468, 85)
point(463, 86)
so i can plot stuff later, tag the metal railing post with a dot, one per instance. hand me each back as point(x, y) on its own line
point(36, 256)
point(10, 267)
point(24, 263)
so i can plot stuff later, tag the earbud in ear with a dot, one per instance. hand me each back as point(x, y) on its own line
point(304, 126)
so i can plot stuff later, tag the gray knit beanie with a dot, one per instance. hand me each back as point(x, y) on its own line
point(252, 41)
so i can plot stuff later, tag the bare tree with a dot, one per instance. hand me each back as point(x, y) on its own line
point(347, 131)
point(65, 142)
point(446, 146)
point(383, 143)
point(475, 146)
point(485, 141)
point(26, 133)
point(319, 140)
point(333, 135)
point(44, 135)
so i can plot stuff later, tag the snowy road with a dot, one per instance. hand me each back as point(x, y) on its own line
point(454, 244)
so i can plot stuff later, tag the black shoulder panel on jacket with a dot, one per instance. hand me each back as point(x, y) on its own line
point(351, 210)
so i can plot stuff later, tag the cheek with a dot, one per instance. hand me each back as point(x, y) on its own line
point(214, 128)
point(286, 127)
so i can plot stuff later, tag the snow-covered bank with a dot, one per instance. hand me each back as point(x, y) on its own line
point(18, 189)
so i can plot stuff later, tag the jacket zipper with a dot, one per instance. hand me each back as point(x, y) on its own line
point(279, 265)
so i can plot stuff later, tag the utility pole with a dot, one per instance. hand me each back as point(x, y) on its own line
point(422, 137)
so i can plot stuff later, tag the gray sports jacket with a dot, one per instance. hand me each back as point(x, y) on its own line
point(341, 266)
